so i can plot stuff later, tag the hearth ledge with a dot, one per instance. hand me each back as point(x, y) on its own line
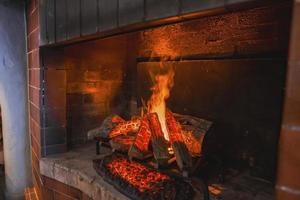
point(75, 168)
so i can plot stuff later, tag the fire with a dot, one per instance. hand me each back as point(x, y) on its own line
point(160, 93)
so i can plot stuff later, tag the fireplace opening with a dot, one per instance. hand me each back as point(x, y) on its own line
point(222, 77)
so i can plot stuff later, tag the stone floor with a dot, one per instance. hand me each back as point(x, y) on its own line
point(75, 168)
point(242, 186)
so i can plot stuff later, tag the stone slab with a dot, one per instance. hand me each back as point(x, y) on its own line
point(75, 168)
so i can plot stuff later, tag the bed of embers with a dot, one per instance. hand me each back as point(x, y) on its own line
point(145, 165)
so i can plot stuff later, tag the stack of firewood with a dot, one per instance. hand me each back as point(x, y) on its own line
point(142, 137)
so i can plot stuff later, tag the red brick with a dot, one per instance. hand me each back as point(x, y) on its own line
point(34, 113)
point(33, 40)
point(35, 161)
point(35, 146)
point(34, 96)
point(34, 59)
point(62, 188)
point(31, 6)
point(32, 21)
point(243, 32)
point(35, 130)
point(47, 194)
point(37, 178)
point(59, 196)
point(34, 77)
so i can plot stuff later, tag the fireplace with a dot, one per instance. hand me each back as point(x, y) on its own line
point(228, 70)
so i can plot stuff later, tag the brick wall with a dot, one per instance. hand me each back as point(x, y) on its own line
point(258, 31)
point(47, 130)
point(95, 84)
point(34, 74)
point(56, 190)
point(47, 85)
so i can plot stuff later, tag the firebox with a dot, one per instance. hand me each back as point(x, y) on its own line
point(196, 104)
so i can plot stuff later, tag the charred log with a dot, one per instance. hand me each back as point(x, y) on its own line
point(159, 144)
point(193, 132)
point(139, 148)
point(106, 127)
point(122, 143)
point(183, 158)
point(125, 127)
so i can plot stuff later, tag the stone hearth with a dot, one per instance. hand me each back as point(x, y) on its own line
point(75, 169)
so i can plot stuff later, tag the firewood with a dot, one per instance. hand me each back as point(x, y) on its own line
point(183, 158)
point(117, 119)
point(159, 144)
point(122, 143)
point(106, 127)
point(139, 148)
point(194, 130)
point(125, 127)
point(193, 143)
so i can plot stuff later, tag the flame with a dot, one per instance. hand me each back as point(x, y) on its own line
point(160, 93)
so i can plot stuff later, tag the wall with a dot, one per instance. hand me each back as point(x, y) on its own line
point(65, 20)
point(96, 84)
point(34, 74)
point(55, 190)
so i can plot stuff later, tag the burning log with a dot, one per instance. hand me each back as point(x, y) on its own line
point(193, 132)
point(138, 181)
point(159, 144)
point(193, 143)
point(125, 127)
point(139, 148)
point(117, 119)
point(181, 152)
point(108, 124)
point(122, 143)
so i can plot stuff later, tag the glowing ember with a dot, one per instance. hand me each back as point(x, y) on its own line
point(136, 174)
point(141, 182)
point(125, 127)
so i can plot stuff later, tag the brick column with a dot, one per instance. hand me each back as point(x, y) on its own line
point(34, 82)
point(47, 96)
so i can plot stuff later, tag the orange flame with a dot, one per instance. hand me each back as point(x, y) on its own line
point(160, 93)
